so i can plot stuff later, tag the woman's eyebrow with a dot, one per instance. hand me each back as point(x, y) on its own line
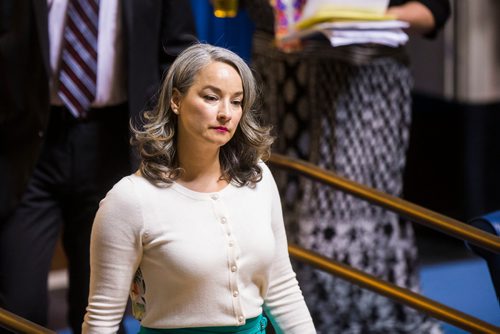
point(218, 90)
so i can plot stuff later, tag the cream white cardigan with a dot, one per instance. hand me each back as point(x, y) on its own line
point(195, 259)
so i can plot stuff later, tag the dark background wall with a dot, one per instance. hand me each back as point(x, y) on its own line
point(454, 157)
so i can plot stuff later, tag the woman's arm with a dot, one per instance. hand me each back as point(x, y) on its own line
point(284, 303)
point(115, 253)
point(425, 17)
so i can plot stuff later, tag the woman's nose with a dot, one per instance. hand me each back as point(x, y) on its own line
point(224, 112)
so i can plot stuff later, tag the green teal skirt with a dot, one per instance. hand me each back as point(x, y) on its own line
point(255, 325)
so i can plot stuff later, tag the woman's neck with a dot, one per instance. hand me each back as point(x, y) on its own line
point(202, 171)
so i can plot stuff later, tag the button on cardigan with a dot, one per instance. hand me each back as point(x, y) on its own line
point(191, 259)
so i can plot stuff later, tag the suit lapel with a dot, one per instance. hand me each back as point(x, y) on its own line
point(41, 16)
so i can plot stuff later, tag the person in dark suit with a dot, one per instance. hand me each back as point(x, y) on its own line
point(82, 155)
point(24, 102)
point(24, 96)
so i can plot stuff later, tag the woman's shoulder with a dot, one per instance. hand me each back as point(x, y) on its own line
point(121, 210)
point(267, 175)
point(263, 165)
point(126, 183)
point(129, 187)
point(266, 171)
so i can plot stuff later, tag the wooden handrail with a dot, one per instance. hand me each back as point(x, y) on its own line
point(18, 324)
point(402, 295)
point(404, 208)
point(407, 209)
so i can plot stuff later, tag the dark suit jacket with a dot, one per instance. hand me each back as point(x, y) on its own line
point(24, 94)
point(155, 32)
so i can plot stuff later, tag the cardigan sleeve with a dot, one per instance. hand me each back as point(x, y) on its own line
point(284, 303)
point(115, 252)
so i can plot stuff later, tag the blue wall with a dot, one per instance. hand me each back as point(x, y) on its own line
point(232, 33)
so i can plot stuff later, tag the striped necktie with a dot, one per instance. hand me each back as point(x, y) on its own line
point(78, 73)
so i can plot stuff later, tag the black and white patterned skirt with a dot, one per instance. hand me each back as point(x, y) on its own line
point(352, 119)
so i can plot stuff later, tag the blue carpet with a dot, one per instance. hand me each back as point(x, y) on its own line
point(464, 285)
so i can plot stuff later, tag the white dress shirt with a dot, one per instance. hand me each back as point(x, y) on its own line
point(111, 69)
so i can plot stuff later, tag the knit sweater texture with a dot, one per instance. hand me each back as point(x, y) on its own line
point(191, 259)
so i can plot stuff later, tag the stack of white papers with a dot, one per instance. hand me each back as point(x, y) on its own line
point(346, 22)
point(387, 32)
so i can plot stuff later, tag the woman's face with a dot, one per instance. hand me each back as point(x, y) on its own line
point(209, 113)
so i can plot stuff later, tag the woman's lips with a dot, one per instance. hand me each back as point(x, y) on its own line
point(221, 129)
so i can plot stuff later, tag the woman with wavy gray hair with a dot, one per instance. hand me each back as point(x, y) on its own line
point(196, 235)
